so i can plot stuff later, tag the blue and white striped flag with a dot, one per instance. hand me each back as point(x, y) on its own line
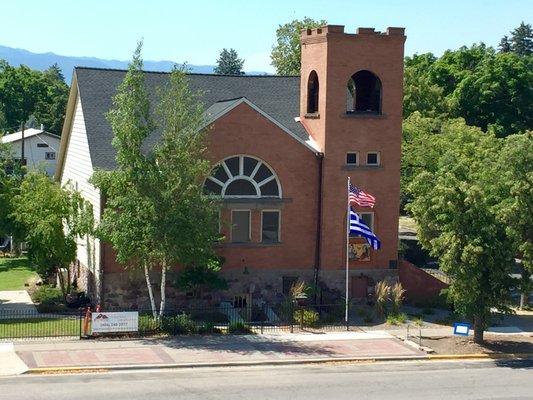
point(358, 227)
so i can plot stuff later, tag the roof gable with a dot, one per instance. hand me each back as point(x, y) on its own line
point(276, 97)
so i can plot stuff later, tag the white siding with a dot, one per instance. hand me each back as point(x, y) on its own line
point(78, 169)
point(35, 155)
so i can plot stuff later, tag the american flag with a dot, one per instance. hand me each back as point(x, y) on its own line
point(357, 196)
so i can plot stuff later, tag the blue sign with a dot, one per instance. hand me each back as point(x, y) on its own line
point(461, 328)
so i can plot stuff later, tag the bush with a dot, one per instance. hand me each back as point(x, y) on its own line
point(209, 316)
point(428, 311)
point(239, 328)
point(208, 328)
point(178, 324)
point(396, 319)
point(305, 317)
point(382, 297)
point(48, 299)
point(397, 293)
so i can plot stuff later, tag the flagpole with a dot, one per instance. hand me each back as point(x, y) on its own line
point(347, 249)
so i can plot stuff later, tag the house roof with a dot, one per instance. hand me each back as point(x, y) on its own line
point(16, 136)
point(278, 97)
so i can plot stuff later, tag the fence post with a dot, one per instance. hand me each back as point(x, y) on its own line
point(80, 315)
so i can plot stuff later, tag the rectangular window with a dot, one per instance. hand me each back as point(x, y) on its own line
point(352, 159)
point(372, 158)
point(368, 219)
point(42, 145)
point(50, 155)
point(240, 226)
point(270, 224)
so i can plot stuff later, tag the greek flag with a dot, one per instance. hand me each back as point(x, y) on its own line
point(358, 227)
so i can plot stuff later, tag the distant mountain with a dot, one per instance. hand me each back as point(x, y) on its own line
point(42, 61)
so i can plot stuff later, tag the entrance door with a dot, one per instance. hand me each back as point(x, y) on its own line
point(359, 287)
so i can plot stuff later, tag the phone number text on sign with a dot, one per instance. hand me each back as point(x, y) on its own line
point(103, 322)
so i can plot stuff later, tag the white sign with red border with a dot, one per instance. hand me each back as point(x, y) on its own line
point(104, 322)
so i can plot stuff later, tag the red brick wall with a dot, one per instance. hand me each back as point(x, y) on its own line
point(245, 131)
point(419, 285)
point(336, 56)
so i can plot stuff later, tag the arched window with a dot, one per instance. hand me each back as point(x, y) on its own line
point(363, 93)
point(312, 93)
point(242, 176)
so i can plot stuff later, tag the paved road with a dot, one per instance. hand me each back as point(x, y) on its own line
point(413, 380)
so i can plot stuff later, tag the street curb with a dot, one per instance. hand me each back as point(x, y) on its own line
point(480, 356)
point(42, 371)
point(440, 357)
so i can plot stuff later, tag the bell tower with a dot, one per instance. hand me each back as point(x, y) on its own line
point(351, 104)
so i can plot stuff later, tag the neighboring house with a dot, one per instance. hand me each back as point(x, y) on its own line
point(286, 145)
point(40, 148)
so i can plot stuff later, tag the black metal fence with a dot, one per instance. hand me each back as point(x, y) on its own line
point(287, 317)
point(30, 324)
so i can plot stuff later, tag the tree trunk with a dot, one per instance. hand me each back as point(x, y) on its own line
point(478, 330)
point(163, 287)
point(150, 291)
point(523, 300)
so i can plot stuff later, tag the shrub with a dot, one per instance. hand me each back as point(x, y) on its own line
point(209, 316)
point(306, 317)
point(178, 324)
point(48, 298)
point(397, 293)
point(382, 297)
point(428, 311)
point(208, 328)
point(239, 328)
point(396, 319)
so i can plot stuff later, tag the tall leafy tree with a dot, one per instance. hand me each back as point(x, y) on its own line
point(126, 222)
point(156, 215)
point(498, 94)
point(51, 105)
point(522, 40)
point(514, 173)
point(10, 178)
point(454, 204)
point(229, 63)
point(20, 88)
point(286, 53)
point(25, 93)
point(53, 217)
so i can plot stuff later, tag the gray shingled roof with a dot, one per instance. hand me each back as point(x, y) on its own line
point(277, 96)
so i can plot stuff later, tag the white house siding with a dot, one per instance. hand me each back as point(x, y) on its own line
point(77, 170)
point(36, 156)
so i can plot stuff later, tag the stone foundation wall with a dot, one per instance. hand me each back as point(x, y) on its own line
point(84, 278)
point(128, 289)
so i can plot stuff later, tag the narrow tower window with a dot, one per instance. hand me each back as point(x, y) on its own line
point(363, 93)
point(312, 93)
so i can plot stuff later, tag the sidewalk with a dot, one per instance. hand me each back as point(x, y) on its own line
point(216, 350)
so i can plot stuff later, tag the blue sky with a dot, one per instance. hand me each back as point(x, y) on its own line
point(196, 31)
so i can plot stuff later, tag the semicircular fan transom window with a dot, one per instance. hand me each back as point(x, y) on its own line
point(242, 176)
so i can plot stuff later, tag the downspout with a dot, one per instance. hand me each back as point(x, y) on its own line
point(318, 245)
point(100, 286)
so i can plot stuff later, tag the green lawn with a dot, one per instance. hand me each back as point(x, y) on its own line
point(39, 327)
point(14, 272)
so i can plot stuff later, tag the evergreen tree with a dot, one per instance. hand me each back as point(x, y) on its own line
point(505, 45)
point(522, 40)
point(229, 63)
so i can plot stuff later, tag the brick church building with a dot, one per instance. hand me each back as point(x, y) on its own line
point(283, 148)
